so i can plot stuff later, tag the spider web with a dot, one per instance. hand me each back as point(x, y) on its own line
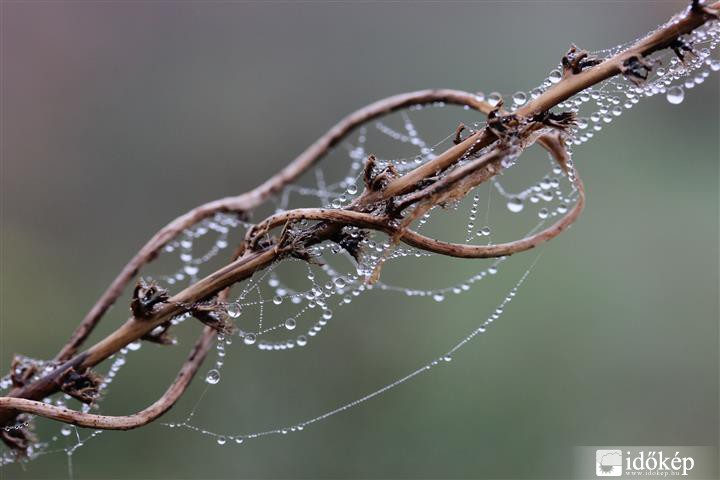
point(291, 304)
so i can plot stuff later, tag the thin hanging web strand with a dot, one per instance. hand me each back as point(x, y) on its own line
point(446, 357)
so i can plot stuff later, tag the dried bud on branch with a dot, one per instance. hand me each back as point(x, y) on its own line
point(145, 296)
point(351, 242)
point(575, 61)
point(22, 371)
point(559, 121)
point(82, 386)
point(636, 69)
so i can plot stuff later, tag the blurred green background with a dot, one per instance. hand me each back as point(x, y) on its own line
point(117, 117)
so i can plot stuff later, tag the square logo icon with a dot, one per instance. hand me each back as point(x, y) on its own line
point(608, 463)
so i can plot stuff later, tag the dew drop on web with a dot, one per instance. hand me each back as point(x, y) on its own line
point(515, 205)
point(494, 98)
point(675, 95)
point(483, 232)
point(233, 310)
point(212, 377)
point(519, 98)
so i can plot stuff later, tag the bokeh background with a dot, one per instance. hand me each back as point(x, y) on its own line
point(118, 116)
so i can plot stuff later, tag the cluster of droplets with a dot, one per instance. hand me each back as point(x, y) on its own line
point(334, 291)
point(547, 194)
point(669, 77)
point(604, 102)
point(471, 228)
point(217, 228)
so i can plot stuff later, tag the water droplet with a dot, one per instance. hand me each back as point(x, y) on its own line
point(301, 341)
point(277, 300)
point(438, 297)
point(340, 282)
point(447, 358)
point(249, 339)
point(519, 98)
point(327, 314)
point(239, 440)
point(191, 269)
point(555, 76)
point(515, 205)
point(221, 440)
point(352, 189)
point(484, 232)
point(290, 324)
point(543, 213)
point(65, 431)
point(134, 346)
point(494, 98)
point(675, 95)
point(212, 377)
point(234, 310)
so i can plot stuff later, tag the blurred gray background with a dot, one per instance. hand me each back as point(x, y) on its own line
point(117, 117)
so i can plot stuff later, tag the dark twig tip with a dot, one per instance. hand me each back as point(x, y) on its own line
point(458, 134)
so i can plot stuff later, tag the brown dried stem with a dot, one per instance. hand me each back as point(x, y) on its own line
point(128, 422)
point(250, 200)
point(517, 132)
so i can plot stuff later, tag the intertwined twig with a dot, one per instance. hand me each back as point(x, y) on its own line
point(389, 203)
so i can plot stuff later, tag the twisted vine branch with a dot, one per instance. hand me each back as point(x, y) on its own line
point(389, 203)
